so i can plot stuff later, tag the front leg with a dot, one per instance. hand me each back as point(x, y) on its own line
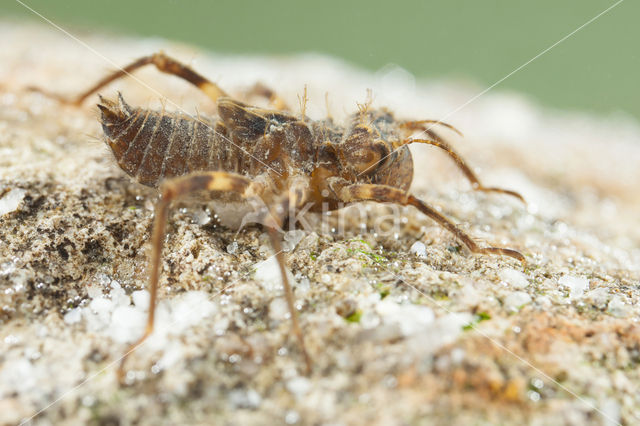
point(389, 194)
point(462, 165)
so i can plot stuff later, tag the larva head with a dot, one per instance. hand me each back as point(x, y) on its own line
point(371, 152)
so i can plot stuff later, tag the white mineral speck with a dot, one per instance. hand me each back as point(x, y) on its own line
point(190, 309)
point(118, 295)
point(457, 356)
point(617, 307)
point(103, 279)
point(268, 273)
point(410, 318)
point(141, 299)
point(369, 320)
point(7, 267)
point(94, 290)
point(73, 316)
point(291, 418)
point(232, 248)
point(127, 323)
point(20, 374)
point(101, 306)
point(299, 386)
point(610, 410)
point(419, 249)
point(514, 278)
point(11, 340)
point(241, 398)
point(514, 301)
point(291, 239)
point(278, 309)
point(11, 200)
point(598, 297)
point(221, 326)
point(576, 285)
point(201, 217)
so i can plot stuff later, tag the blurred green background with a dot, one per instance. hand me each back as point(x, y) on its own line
point(595, 70)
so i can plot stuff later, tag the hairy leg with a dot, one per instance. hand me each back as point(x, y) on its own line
point(262, 91)
point(169, 191)
point(383, 193)
point(164, 64)
point(475, 182)
point(420, 125)
point(293, 199)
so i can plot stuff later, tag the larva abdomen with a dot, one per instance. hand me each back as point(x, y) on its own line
point(155, 145)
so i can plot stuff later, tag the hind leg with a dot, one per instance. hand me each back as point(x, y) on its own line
point(262, 91)
point(170, 191)
point(164, 64)
point(294, 198)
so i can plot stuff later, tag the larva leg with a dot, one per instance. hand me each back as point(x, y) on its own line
point(169, 191)
point(420, 125)
point(462, 165)
point(294, 198)
point(262, 91)
point(383, 193)
point(164, 64)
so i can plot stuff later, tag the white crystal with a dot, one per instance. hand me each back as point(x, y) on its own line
point(291, 239)
point(617, 307)
point(576, 285)
point(278, 309)
point(73, 316)
point(516, 300)
point(232, 247)
point(241, 398)
point(268, 273)
point(419, 249)
point(410, 318)
point(11, 200)
point(514, 278)
point(141, 299)
point(299, 386)
point(127, 324)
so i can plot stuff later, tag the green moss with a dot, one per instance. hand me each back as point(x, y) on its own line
point(483, 316)
point(372, 257)
point(440, 295)
point(354, 317)
point(383, 290)
point(478, 318)
point(355, 240)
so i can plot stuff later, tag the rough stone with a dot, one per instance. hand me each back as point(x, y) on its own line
point(73, 257)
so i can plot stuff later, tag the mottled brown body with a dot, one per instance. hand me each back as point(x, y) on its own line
point(286, 160)
point(152, 146)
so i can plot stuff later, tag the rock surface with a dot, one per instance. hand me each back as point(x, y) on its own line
point(399, 333)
